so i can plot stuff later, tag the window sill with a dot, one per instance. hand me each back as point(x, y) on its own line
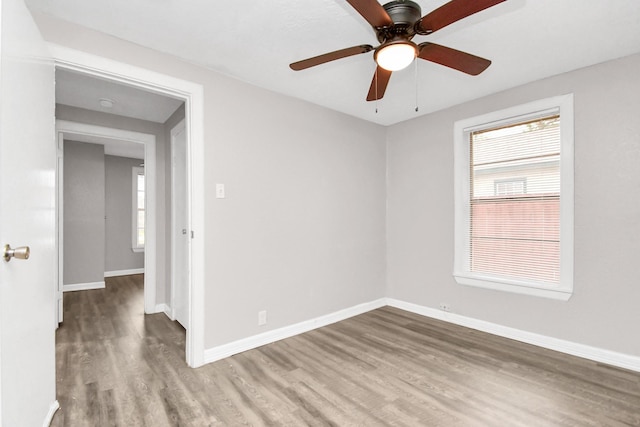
point(137, 250)
point(523, 288)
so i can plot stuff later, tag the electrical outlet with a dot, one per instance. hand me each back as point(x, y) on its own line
point(445, 307)
point(262, 317)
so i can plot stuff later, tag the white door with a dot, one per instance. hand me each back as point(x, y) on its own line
point(180, 226)
point(27, 218)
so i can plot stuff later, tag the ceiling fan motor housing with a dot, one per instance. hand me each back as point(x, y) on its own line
point(404, 14)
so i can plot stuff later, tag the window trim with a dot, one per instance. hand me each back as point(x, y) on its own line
point(563, 105)
point(135, 171)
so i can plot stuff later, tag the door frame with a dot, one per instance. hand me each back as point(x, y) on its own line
point(193, 96)
point(87, 133)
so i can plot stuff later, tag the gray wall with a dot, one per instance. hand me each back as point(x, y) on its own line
point(83, 213)
point(64, 112)
point(301, 231)
point(118, 208)
point(603, 311)
point(305, 230)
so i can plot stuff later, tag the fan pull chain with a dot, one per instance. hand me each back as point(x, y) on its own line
point(416, 68)
point(376, 77)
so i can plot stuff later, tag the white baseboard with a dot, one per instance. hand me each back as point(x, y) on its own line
point(83, 286)
point(226, 350)
point(160, 308)
point(115, 273)
point(168, 311)
point(52, 411)
point(596, 354)
point(609, 357)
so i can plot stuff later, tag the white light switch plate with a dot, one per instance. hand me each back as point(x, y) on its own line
point(219, 191)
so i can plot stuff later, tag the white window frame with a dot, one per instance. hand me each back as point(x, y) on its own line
point(461, 269)
point(136, 170)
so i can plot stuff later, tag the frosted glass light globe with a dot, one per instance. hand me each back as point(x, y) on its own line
point(396, 55)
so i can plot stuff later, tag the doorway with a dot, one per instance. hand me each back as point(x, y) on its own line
point(93, 134)
point(192, 95)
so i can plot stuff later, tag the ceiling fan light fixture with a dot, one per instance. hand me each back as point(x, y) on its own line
point(396, 55)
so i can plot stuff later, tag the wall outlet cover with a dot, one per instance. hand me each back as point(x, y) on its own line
point(262, 317)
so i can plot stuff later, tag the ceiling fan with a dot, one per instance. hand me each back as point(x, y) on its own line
point(395, 24)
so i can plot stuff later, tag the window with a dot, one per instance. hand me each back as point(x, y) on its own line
point(138, 212)
point(514, 199)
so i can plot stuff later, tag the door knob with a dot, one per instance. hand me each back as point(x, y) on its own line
point(21, 252)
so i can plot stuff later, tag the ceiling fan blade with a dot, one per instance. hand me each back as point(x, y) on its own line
point(452, 58)
point(373, 12)
point(378, 84)
point(331, 56)
point(451, 12)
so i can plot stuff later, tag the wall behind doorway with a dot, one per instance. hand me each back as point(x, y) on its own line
point(84, 202)
point(118, 207)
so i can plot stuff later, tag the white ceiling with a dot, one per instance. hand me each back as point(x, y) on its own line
point(112, 147)
point(82, 91)
point(254, 41)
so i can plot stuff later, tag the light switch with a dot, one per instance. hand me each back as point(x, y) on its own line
point(219, 191)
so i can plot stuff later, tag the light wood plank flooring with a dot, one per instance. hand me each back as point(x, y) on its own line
point(118, 367)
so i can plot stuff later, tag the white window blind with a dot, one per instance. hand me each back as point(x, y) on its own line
point(138, 209)
point(515, 201)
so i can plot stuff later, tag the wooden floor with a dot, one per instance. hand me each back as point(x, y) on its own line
point(116, 366)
